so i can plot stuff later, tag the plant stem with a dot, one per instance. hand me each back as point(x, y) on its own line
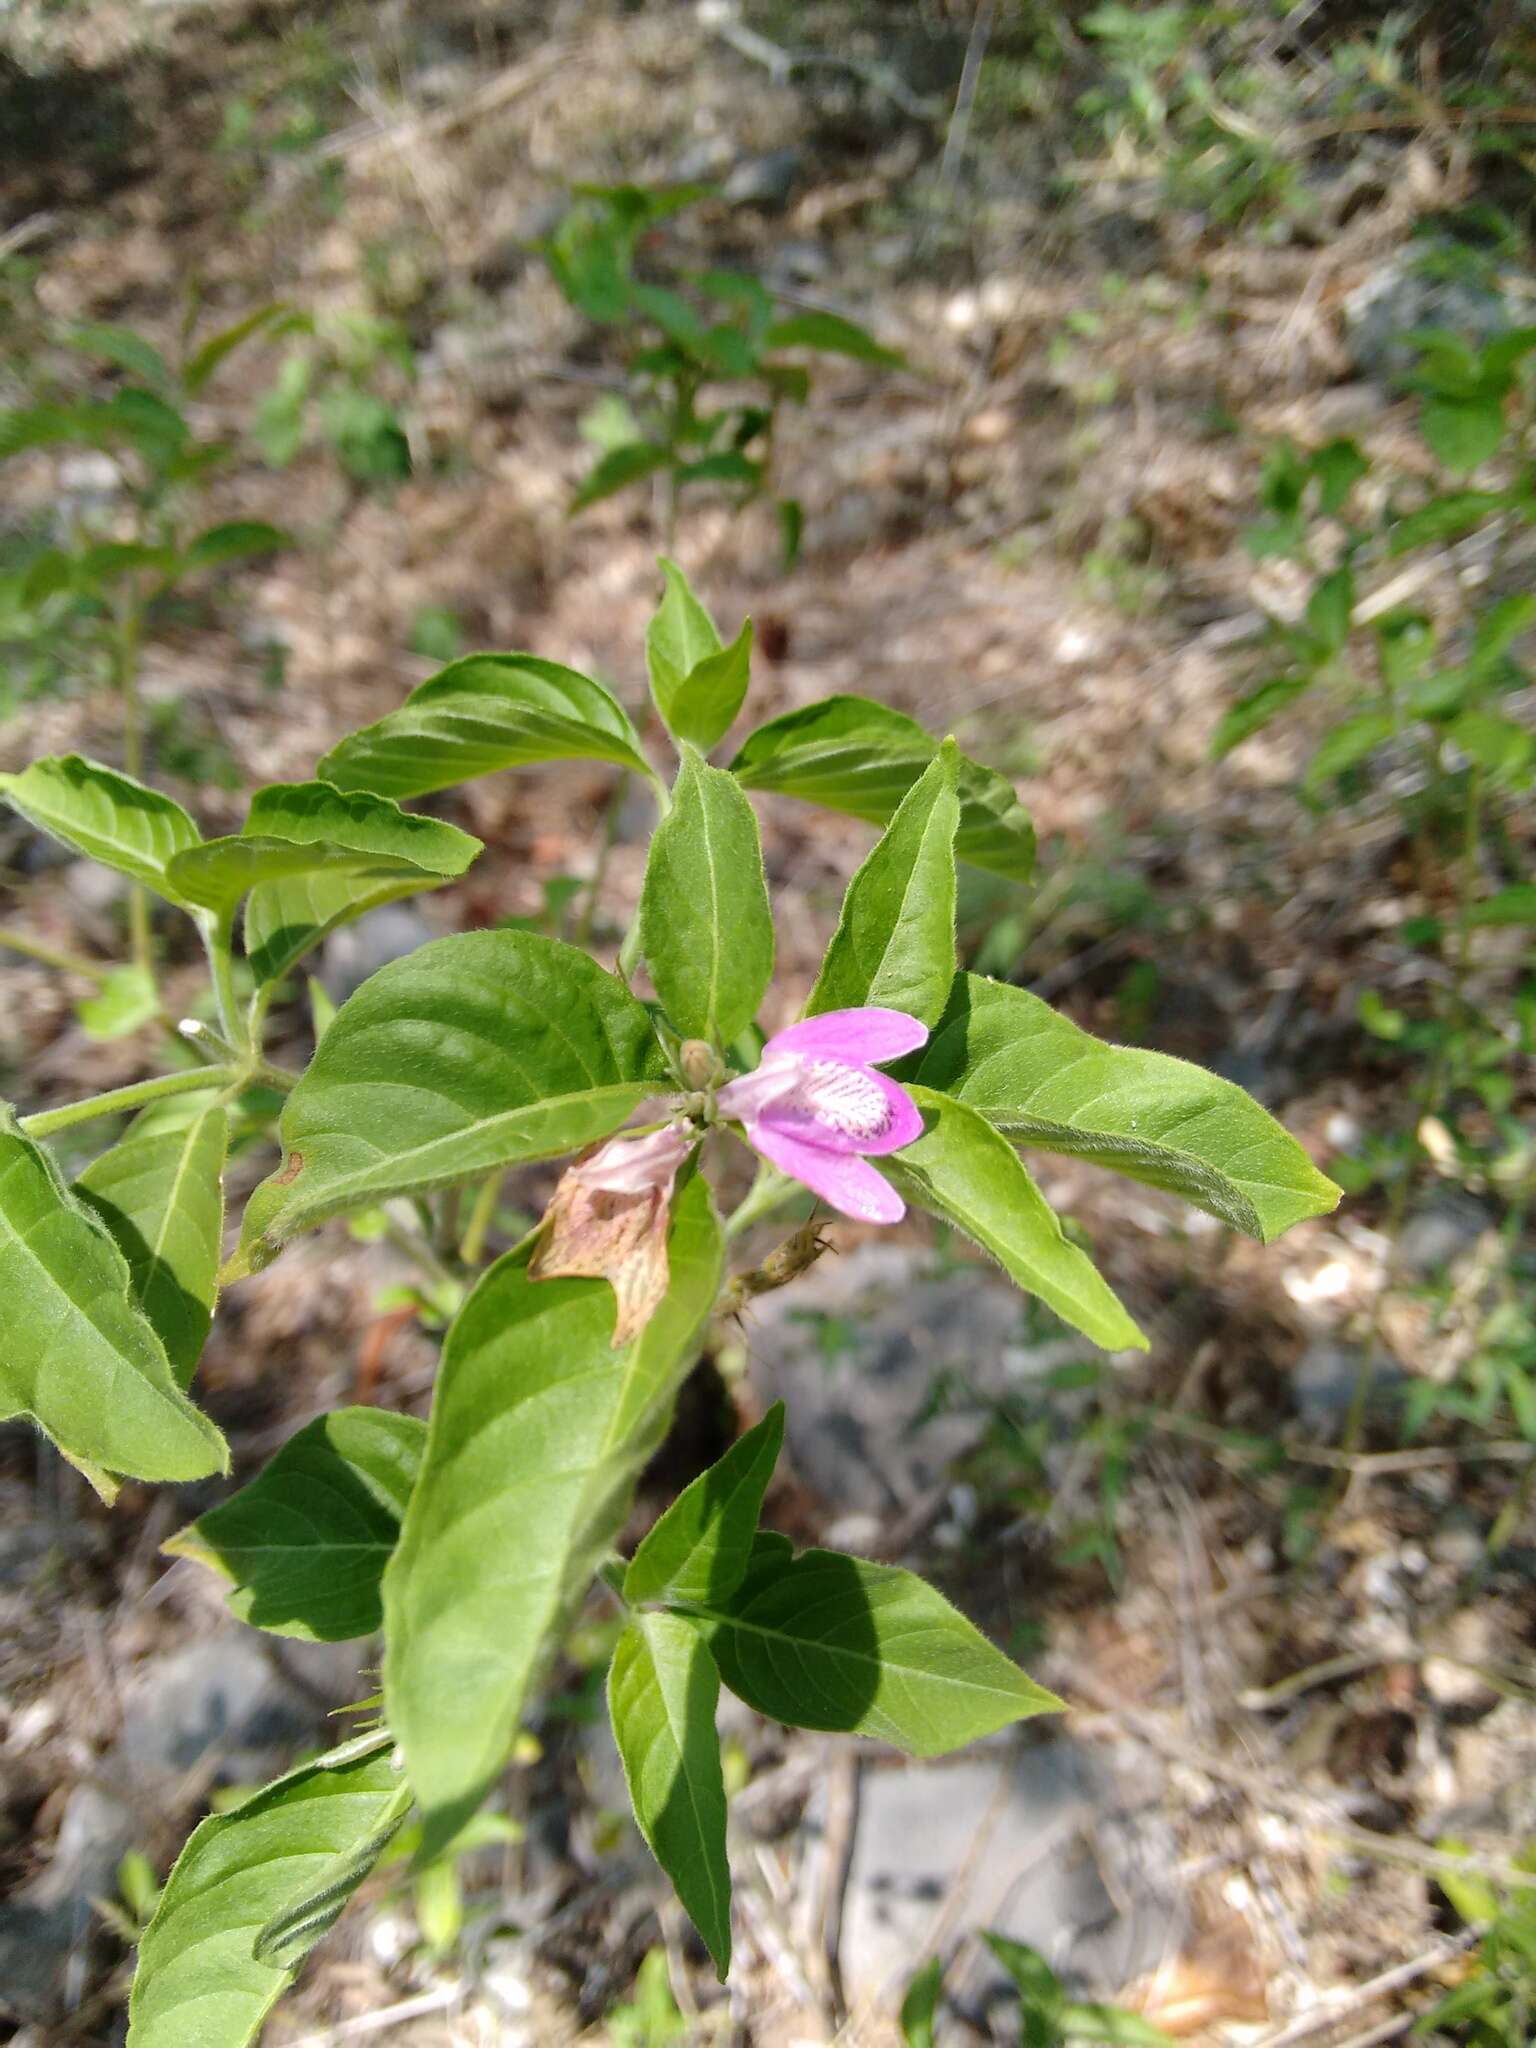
point(221, 967)
point(481, 1216)
point(611, 816)
point(134, 1096)
point(52, 956)
point(126, 672)
point(769, 1191)
point(419, 1252)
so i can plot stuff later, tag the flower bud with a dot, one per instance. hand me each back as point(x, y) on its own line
point(701, 1065)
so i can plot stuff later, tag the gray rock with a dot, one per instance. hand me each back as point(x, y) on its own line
point(1324, 1380)
point(886, 1367)
point(224, 1706)
point(1438, 1233)
point(1405, 294)
point(1045, 1844)
point(46, 1929)
point(350, 955)
point(767, 181)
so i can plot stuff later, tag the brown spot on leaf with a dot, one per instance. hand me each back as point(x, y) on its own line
point(290, 1172)
point(592, 1233)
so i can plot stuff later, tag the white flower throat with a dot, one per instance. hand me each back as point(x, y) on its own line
point(848, 1098)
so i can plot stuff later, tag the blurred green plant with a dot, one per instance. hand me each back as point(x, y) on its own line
point(1047, 2018)
point(687, 335)
point(1425, 719)
point(651, 2019)
point(1494, 2005)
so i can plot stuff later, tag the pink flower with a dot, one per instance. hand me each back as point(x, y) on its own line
point(637, 1166)
point(818, 1111)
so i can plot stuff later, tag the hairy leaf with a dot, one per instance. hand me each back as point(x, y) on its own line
point(305, 1544)
point(827, 1641)
point(963, 1170)
point(486, 712)
point(106, 816)
point(160, 1191)
point(895, 941)
point(851, 754)
point(663, 1688)
point(314, 857)
point(705, 924)
point(539, 1430)
point(700, 1548)
point(697, 683)
point(473, 1052)
point(80, 1358)
point(289, 1859)
point(1045, 1083)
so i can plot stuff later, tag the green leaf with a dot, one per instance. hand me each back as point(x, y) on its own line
point(48, 426)
point(81, 1359)
point(486, 712)
point(1338, 466)
point(1498, 744)
point(1514, 905)
point(830, 334)
point(1330, 608)
point(313, 857)
point(1446, 518)
point(962, 1170)
point(1347, 745)
point(219, 347)
point(894, 946)
point(663, 1689)
point(853, 755)
point(472, 1053)
point(920, 2007)
point(616, 470)
point(1500, 627)
point(287, 1859)
point(1041, 1998)
point(160, 1192)
point(827, 1641)
point(1042, 1081)
point(539, 1430)
point(705, 925)
point(305, 1544)
point(237, 541)
point(1463, 432)
point(122, 346)
point(1252, 713)
point(126, 999)
point(363, 851)
point(697, 683)
point(700, 1548)
point(106, 816)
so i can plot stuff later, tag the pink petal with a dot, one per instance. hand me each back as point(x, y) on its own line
point(851, 1186)
point(636, 1166)
point(858, 1036)
point(844, 1108)
point(749, 1094)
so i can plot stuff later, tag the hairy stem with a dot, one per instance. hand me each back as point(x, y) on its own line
point(134, 1096)
point(216, 944)
point(768, 1192)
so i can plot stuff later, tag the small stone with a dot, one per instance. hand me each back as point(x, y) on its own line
point(1435, 1236)
point(358, 950)
point(768, 181)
